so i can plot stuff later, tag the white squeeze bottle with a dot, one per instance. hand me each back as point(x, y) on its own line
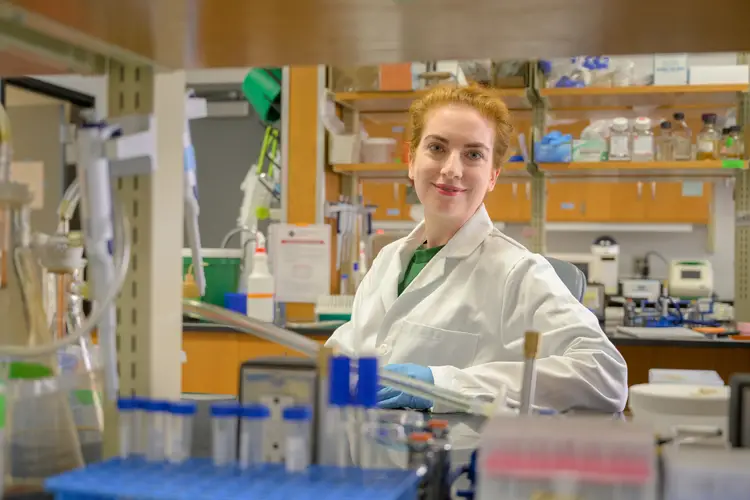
point(260, 286)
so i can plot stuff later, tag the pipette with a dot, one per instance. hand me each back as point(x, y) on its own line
point(528, 387)
point(194, 108)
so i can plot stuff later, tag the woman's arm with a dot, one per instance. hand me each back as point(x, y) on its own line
point(577, 367)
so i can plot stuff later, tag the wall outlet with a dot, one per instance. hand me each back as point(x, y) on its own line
point(274, 432)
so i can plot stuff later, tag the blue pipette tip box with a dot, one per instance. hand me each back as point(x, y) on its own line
point(198, 479)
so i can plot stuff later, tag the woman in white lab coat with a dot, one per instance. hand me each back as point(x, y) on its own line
point(450, 303)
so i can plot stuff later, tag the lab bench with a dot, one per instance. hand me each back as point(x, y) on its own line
point(214, 354)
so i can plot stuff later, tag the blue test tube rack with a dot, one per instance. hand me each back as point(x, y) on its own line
point(198, 479)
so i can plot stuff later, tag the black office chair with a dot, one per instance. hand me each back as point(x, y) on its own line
point(569, 274)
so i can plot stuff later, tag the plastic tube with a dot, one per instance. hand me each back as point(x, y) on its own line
point(122, 259)
point(298, 434)
point(127, 409)
point(224, 433)
point(69, 203)
point(157, 413)
point(180, 430)
point(310, 348)
point(252, 423)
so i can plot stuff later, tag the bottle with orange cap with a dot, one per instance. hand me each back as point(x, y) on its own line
point(438, 486)
point(260, 285)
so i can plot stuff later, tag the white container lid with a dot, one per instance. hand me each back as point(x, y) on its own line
point(620, 124)
point(679, 399)
point(642, 123)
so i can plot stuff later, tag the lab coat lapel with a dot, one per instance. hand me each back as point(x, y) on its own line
point(463, 243)
point(397, 268)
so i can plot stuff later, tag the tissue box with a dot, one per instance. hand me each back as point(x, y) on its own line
point(552, 153)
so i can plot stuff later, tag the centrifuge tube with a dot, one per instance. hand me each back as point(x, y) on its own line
point(127, 409)
point(157, 412)
point(367, 401)
point(297, 450)
point(224, 433)
point(180, 430)
point(139, 426)
point(336, 443)
point(252, 423)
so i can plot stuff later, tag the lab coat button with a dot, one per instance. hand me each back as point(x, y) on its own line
point(383, 350)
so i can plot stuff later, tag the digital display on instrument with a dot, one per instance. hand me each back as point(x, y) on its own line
point(690, 275)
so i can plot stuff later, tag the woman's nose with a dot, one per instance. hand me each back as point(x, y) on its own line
point(452, 166)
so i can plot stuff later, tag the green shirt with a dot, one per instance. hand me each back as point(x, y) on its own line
point(420, 259)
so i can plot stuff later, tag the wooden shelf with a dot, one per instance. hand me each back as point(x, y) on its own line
point(397, 172)
point(399, 102)
point(685, 97)
point(634, 171)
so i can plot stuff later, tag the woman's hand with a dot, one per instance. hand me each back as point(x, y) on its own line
point(391, 398)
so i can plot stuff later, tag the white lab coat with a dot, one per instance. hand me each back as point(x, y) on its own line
point(465, 316)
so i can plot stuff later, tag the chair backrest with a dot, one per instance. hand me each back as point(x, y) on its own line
point(569, 274)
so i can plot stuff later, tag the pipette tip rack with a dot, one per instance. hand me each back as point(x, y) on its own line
point(199, 479)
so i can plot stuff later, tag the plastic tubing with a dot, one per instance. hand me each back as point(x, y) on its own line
point(70, 200)
point(310, 348)
point(122, 259)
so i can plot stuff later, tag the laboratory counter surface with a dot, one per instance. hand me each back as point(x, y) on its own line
point(214, 353)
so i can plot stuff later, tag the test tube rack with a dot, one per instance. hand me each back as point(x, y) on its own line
point(198, 479)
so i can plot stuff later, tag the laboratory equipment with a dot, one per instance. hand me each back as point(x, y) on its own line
point(577, 457)
point(691, 279)
point(127, 408)
point(157, 413)
point(642, 140)
point(707, 140)
point(260, 285)
point(279, 383)
point(366, 401)
point(606, 271)
point(252, 422)
point(665, 142)
point(180, 430)
point(438, 485)
point(224, 418)
point(586, 262)
point(739, 410)
point(262, 89)
point(668, 408)
point(640, 289)
point(683, 138)
point(297, 456)
point(619, 140)
point(419, 449)
point(528, 383)
point(195, 108)
point(335, 447)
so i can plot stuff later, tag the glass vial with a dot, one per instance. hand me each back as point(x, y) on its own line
point(665, 143)
point(707, 140)
point(683, 138)
point(619, 140)
point(642, 140)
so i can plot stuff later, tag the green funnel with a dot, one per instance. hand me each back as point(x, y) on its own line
point(262, 88)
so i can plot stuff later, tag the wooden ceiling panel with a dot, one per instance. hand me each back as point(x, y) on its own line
point(17, 63)
point(231, 33)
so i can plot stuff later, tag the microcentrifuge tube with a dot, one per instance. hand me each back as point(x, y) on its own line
point(127, 408)
point(252, 422)
point(180, 430)
point(297, 450)
point(157, 412)
point(224, 433)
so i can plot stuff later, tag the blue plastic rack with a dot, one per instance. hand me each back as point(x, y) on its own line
point(198, 479)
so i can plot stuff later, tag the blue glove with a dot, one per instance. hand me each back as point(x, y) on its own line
point(389, 397)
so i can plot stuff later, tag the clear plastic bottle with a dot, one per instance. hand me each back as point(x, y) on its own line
point(707, 140)
point(665, 143)
point(619, 140)
point(642, 140)
point(683, 138)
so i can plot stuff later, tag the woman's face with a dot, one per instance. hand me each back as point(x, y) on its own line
point(452, 166)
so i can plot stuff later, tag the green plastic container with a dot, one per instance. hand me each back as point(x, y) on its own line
point(222, 271)
point(262, 89)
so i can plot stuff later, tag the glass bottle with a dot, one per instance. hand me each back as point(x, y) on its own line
point(735, 144)
point(642, 140)
point(683, 140)
point(724, 143)
point(619, 140)
point(707, 140)
point(665, 143)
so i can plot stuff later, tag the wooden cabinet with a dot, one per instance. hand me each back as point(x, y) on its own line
point(509, 202)
point(629, 202)
point(213, 359)
point(388, 197)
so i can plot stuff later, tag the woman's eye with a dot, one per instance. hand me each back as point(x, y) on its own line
point(434, 148)
point(475, 155)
